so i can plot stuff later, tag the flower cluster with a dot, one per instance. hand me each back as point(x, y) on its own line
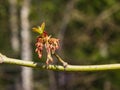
point(50, 44)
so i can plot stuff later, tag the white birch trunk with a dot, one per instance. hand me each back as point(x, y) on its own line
point(26, 52)
point(14, 25)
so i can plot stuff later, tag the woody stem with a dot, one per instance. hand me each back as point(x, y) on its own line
point(60, 59)
point(79, 68)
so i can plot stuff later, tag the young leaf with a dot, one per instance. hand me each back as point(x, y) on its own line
point(42, 27)
point(39, 29)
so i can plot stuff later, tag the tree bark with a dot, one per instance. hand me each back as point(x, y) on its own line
point(52, 80)
point(26, 52)
point(66, 19)
point(14, 25)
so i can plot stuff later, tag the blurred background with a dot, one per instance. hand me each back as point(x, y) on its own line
point(89, 33)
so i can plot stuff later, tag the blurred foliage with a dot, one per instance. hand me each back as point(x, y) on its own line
point(92, 36)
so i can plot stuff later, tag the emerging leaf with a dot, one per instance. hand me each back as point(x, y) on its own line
point(42, 27)
point(39, 29)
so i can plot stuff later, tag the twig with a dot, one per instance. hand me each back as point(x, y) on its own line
point(88, 68)
point(61, 60)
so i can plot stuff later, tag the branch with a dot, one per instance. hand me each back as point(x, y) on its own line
point(7, 60)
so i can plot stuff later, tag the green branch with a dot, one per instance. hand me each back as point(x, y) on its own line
point(6, 60)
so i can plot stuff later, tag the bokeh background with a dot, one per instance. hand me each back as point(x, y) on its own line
point(89, 33)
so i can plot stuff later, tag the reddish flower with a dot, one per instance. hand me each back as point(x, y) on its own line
point(39, 44)
point(50, 44)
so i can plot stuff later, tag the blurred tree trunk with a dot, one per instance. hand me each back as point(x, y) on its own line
point(66, 18)
point(15, 40)
point(26, 52)
point(52, 81)
point(107, 85)
point(14, 25)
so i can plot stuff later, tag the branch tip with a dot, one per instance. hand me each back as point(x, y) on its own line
point(2, 57)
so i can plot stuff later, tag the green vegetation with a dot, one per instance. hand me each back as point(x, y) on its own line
point(89, 32)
